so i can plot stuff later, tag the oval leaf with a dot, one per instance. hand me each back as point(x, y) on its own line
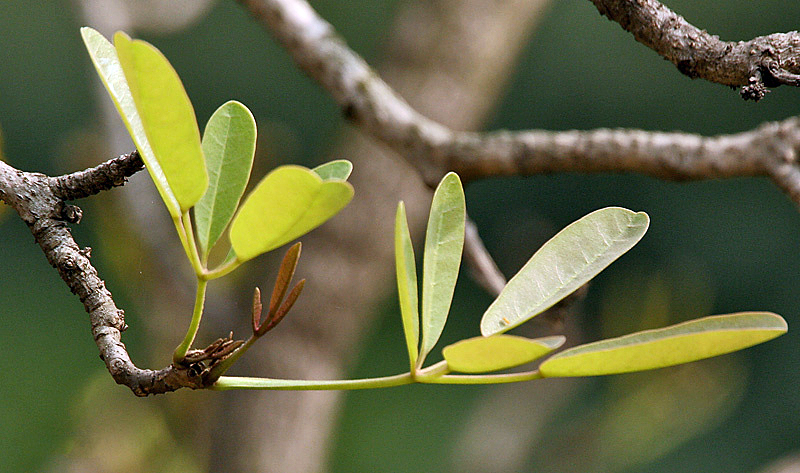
point(674, 345)
point(444, 241)
point(498, 352)
point(338, 169)
point(406, 269)
point(229, 144)
point(289, 202)
point(105, 60)
point(563, 264)
point(167, 116)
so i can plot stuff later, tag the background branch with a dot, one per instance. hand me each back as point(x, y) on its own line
point(769, 61)
point(433, 149)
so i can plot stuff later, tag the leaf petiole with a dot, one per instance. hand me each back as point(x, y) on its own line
point(226, 383)
point(191, 252)
point(188, 243)
point(220, 271)
point(484, 378)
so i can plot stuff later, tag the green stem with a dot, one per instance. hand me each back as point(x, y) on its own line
point(483, 378)
point(222, 270)
point(193, 254)
point(197, 314)
point(188, 243)
point(436, 370)
point(226, 383)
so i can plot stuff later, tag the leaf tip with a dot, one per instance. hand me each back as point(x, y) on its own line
point(554, 342)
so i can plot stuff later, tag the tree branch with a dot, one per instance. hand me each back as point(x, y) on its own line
point(39, 201)
point(770, 150)
point(765, 61)
point(103, 177)
point(433, 149)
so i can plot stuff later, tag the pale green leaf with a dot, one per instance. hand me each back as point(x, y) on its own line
point(229, 144)
point(105, 60)
point(674, 345)
point(167, 116)
point(405, 266)
point(444, 242)
point(289, 202)
point(563, 264)
point(498, 352)
point(338, 169)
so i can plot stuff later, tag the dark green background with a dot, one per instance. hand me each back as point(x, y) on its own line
point(733, 244)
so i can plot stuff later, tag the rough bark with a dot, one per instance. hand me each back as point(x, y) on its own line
point(754, 65)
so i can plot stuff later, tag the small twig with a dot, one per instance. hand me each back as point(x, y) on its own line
point(108, 175)
point(483, 267)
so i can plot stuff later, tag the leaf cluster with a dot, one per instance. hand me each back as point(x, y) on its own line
point(202, 181)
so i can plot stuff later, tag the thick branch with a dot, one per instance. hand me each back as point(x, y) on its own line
point(771, 150)
point(38, 199)
point(765, 61)
point(763, 151)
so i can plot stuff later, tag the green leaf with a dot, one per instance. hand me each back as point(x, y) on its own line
point(444, 242)
point(229, 144)
point(498, 352)
point(289, 202)
point(105, 60)
point(405, 266)
point(563, 264)
point(338, 169)
point(674, 345)
point(167, 116)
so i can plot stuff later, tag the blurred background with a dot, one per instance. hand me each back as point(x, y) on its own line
point(713, 247)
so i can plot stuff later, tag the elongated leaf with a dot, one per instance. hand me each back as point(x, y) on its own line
point(498, 352)
point(681, 343)
point(229, 144)
point(167, 116)
point(563, 264)
point(289, 202)
point(338, 169)
point(444, 241)
point(284, 278)
point(105, 60)
point(406, 269)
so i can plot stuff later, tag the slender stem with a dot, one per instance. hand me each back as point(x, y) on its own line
point(434, 371)
point(182, 236)
point(483, 378)
point(197, 314)
point(226, 383)
point(222, 270)
point(192, 253)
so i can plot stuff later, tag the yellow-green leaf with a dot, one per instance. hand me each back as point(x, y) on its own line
point(289, 202)
point(105, 60)
point(444, 242)
point(406, 269)
point(229, 143)
point(563, 264)
point(337, 169)
point(498, 352)
point(674, 345)
point(167, 116)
